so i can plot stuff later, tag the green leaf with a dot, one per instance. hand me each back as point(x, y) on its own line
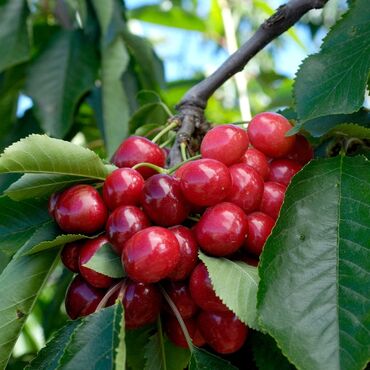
point(151, 113)
point(94, 342)
point(174, 17)
point(267, 354)
point(18, 221)
point(40, 185)
point(334, 80)
point(14, 38)
point(107, 262)
point(315, 267)
point(136, 339)
point(350, 130)
point(20, 285)
point(104, 11)
point(203, 360)
point(42, 154)
point(242, 298)
point(59, 77)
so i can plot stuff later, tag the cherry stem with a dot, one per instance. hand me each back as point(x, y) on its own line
point(167, 142)
point(179, 319)
point(173, 124)
point(160, 331)
point(183, 151)
point(193, 218)
point(109, 294)
point(150, 165)
point(174, 168)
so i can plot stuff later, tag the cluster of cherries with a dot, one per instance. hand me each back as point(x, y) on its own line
point(225, 204)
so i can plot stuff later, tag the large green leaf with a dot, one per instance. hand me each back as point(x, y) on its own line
point(334, 80)
point(94, 342)
point(313, 296)
point(203, 360)
point(42, 154)
point(20, 284)
point(18, 221)
point(14, 38)
point(59, 77)
point(242, 299)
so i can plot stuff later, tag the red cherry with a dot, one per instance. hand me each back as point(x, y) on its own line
point(178, 173)
point(272, 199)
point(188, 253)
point(52, 203)
point(88, 250)
point(302, 151)
point(123, 187)
point(180, 295)
point(137, 149)
point(70, 255)
point(267, 131)
point(124, 222)
point(223, 331)
point(202, 292)
point(163, 200)
point(151, 254)
point(82, 299)
point(222, 229)
point(142, 304)
point(176, 335)
point(259, 229)
point(247, 187)
point(205, 182)
point(257, 160)
point(282, 170)
point(80, 209)
point(225, 143)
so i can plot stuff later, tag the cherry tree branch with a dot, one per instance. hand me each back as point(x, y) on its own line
point(192, 105)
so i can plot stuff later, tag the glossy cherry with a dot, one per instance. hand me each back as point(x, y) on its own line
point(151, 254)
point(176, 335)
point(122, 187)
point(302, 151)
point(257, 160)
point(225, 143)
point(247, 187)
point(202, 291)
point(272, 199)
point(259, 229)
point(70, 255)
point(137, 149)
point(87, 251)
point(188, 253)
point(205, 182)
point(163, 201)
point(123, 223)
point(282, 170)
point(82, 299)
point(80, 209)
point(222, 229)
point(266, 133)
point(223, 331)
point(180, 295)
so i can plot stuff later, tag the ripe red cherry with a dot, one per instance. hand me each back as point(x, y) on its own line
point(222, 229)
point(142, 304)
point(124, 222)
point(80, 209)
point(82, 299)
point(163, 201)
point(302, 151)
point(178, 173)
point(259, 228)
point(282, 170)
point(267, 131)
point(225, 143)
point(180, 295)
point(137, 149)
point(202, 292)
point(272, 199)
point(223, 331)
point(257, 160)
point(123, 187)
point(247, 187)
point(205, 182)
point(188, 253)
point(52, 203)
point(70, 255)
point(88, 250)
point(151, 254)
point(176, 335)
